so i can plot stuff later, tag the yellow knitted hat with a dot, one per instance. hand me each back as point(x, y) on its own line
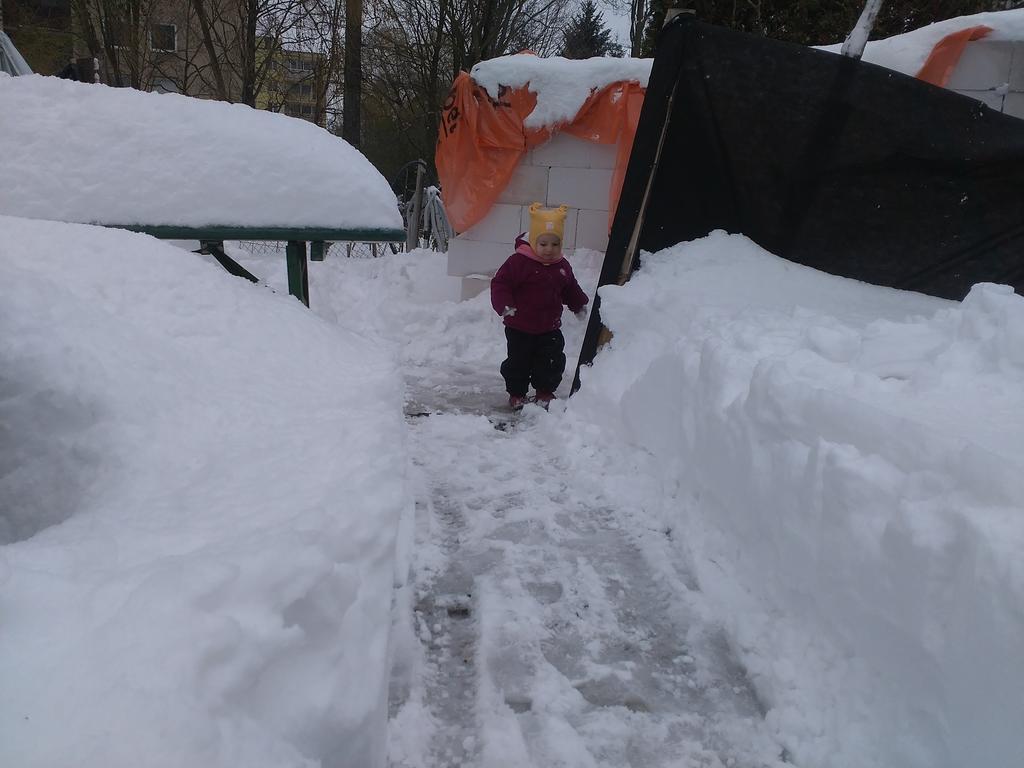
point(546, 221)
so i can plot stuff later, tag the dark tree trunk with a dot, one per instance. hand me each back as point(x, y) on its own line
point(249, 55)
point(353, 71)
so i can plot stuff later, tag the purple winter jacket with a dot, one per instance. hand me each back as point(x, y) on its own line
point(537, 291)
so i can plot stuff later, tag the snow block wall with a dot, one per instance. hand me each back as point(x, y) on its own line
point(563, 171)
point(845, 468)
point(992, 71)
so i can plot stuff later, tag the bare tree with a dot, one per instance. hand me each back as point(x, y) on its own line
point(331, 13)
point(415, 48)
point(243, 40)
point(214, 45)
point(483, 29)
point(639, 16)
point(117, 33)
point(407, 66)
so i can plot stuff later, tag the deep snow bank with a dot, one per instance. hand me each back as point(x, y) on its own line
point(200, 485)
point(847, 466)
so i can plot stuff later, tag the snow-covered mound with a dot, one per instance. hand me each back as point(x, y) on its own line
point(92, 154)
point(562, 85)
point(844, 463)
point(908, 52)
point(200, 488)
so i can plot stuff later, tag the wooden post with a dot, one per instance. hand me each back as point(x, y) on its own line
point(298, 277)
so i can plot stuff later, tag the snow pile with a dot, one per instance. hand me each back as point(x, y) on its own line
point(908, 52)
point(93, 154)
point(844, 465)
point(200, 487)
point(562, 85)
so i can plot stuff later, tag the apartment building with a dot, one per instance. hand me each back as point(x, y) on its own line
point(168, 46)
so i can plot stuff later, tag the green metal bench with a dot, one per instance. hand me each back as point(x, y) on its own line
point(211, 240)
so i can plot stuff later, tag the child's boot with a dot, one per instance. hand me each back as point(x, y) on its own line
point(516, 402)
point(544, 399)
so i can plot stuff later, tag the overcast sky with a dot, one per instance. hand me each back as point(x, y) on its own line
point(616, 18)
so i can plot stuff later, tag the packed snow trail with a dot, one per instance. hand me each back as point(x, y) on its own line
point(545, 625)
point(546, 621)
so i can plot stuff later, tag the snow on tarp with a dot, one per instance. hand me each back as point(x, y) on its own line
point(200, 487)
point(92, 154)
point(908, 52)
point(844, 464)
point(562, 85)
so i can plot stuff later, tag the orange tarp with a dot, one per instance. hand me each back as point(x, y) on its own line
point(482, 140)
point(947, 52)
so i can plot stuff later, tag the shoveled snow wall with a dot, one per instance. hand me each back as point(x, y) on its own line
point(843, 465)
point(202, 486)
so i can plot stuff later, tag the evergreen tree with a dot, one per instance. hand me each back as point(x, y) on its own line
point(586, 35)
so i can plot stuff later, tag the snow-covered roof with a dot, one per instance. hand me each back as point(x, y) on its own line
point(562, 85)
point(88, 153)
point(908, 52)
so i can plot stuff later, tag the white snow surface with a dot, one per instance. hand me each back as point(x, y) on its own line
point(844, 465)
point(92, 154)
point(908, 52)
point(201, 485)
point(562, 85)
point(779, 525)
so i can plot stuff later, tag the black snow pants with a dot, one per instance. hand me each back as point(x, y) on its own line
point(533, 358)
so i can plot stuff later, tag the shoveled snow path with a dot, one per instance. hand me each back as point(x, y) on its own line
point(546, 623)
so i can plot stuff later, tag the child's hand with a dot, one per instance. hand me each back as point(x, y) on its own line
point(509, 311)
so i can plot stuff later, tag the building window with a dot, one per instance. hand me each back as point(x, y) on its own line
point(298, 64)
point(163, 37)
point(307, 110)
point(305, 90)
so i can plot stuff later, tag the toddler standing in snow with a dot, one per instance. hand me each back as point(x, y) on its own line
point(528, 291)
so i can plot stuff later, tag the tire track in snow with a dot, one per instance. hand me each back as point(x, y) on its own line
point(574, 640)
point(432, 692)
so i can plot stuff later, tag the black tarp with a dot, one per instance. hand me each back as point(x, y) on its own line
point(828, 161)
